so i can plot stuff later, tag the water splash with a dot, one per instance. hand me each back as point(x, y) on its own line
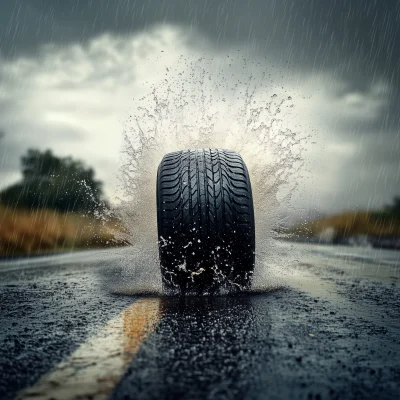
point(204, 103)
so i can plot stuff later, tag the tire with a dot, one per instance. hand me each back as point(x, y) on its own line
point(205, 220)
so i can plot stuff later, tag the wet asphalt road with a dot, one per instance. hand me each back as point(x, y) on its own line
point(329, 329)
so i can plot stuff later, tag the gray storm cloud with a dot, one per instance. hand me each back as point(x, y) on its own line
point(70, 72)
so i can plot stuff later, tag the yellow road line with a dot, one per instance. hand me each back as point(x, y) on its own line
point(96, 367)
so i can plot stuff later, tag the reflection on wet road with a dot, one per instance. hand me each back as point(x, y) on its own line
point(202, 347)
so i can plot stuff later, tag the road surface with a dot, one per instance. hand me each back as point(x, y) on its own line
point(323, 324)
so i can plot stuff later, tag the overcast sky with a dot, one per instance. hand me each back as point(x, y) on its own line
point(71, 71)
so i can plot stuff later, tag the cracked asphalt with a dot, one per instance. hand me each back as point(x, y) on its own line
point(330, 329)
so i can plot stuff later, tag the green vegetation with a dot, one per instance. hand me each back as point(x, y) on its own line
point(51, 208)
point(51, 182)
point(391, 212)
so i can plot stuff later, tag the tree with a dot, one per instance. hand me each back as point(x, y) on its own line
point(395, 206)
point(49, 181)
point(393, 210)
point(390, 212)
point(37, 164)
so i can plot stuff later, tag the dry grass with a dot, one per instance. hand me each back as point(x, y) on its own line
point(24, 232)
point(352, 223)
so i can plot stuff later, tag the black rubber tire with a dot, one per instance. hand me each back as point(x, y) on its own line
point(205, 220)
